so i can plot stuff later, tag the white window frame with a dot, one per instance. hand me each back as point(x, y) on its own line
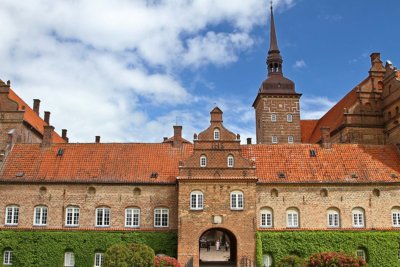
point(230, 161)
point(103, 217)
point(98, 259)
point(358, 217)
point(217, 134)
point(72, 214)
point(161, 217)
point(267, 260)
point(395, 217)
point(289, 117)
point(237, 200)
point(273, 117)
point(290, 139)
point(196, 200)
point(69, 259)
point(361, 253)
point(12, 215)
point(40, 216)
point(203, 161)
point(292, 218)
point(132, 217)
point(7, 257)
point(274, 139)
point(333, 218)
point(266, 218)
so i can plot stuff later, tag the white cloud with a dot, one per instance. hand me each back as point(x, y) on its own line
point(314, 107)
point(300, 64)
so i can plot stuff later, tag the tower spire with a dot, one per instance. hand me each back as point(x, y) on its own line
point(273, 46)
point(274, 59)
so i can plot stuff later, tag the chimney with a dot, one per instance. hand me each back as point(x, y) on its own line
point(47, 136)
point(47, 117)
point(64, 135)
point(36, 106)
point(326, 137)
point(97, 140)
point(177, 136)
point(165, 139)
point(249, 141)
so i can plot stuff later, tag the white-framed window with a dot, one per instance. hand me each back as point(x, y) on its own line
point(396, 217)
point(69, 259)
point(361, 253)
point(237, 200)
point(132, 217)
point(7, 257)
point(290, 139)
point(12, 215)
point(274, 139)
point(333, 218)
point(103, 217)
point(230, 161)
point(289, 117)
point(267, 260)
point(98, 259)
point(196, 200)
point(292, 216)
point(273, 117)
point(72, 216)
point(40, 216)
point(203, 161)
point(217, 134)
point(358, 217)
point(161, 217)
point(266, 217)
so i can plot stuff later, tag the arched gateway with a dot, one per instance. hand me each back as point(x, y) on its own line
point(217, 246)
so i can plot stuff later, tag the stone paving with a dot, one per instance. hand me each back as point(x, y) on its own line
point(214, 255)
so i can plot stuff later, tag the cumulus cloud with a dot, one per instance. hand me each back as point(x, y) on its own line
point(314, 107)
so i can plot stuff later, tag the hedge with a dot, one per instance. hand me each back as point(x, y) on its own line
point(47, 248)
point(381, 246)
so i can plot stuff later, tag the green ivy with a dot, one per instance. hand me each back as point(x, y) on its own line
point(381, 246)
point(47, 248)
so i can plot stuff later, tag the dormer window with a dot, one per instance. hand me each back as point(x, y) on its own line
point(216, 134)
point(230, 161)
point(289, 117)
point(203, 161)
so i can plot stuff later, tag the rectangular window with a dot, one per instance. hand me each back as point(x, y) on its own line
point(293, 220)
point(290, 139)
point(237, 201)
point(103, 217)
point(358, 220)
point(274, 139)
point(289, 118)
point(40, 216)
point(161, 217)
point(266, 220)
point(72, 216)
point(7, 257)
point(273, 117)
point(396, 219)
point(333, 220)
point(98, 259)
point(69, 259)
point(132, 217)
point(12, 215)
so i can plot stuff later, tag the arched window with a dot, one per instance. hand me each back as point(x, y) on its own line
point(289, 117)
point(69, 259)
point(266, 218)
point(358, 217)
point(267, 260)
point(196, 200)
point(12, 215)
point(216, 134)
point(230, 161)
point(7, 257)
point(203, 161)
point(333, 217)
point(132, 217)
point(98, 259)
point(161, 217)
point(396, 217)
point(237, 200)
point(290, 139)
point(273, 117)
point(40, 216)
point(292, 216)
point(103, 217)
point(72, 216)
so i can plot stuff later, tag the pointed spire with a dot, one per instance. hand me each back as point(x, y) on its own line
point(273, 46)
point(274, 59)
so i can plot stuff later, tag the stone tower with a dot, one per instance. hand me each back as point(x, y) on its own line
point(277, 104)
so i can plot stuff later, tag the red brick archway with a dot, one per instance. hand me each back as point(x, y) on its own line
point(208, 253)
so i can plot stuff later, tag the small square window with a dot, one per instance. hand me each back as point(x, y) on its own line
point(274, 139)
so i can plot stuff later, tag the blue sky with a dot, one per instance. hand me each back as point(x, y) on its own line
point(130, 70)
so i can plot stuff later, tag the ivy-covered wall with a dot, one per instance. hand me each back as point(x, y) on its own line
point(47, 248)
point(381, 247)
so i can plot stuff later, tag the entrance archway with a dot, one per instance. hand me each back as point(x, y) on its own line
point(217, 247)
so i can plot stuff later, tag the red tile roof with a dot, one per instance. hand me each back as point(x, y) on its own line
point(370, 163)
point(108, 163)
point(32, 118)
point(307, 128)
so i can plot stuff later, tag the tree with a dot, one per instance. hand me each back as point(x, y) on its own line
point(117, 256)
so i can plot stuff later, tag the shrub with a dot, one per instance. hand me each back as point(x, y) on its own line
point(141, 255)
point(165, 261)
point(117, 256)
point(337, 259)
point(291, 261)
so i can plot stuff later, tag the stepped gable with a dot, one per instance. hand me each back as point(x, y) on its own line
point(343, 163)
point(95, 163)
point(32, 118)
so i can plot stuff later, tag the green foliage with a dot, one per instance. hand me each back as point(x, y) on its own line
point(165, 261)
point(47, 248)
point(141, 255)
point(336, 259)
point(381, 246)
point(291, 261)
point(117, 256)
